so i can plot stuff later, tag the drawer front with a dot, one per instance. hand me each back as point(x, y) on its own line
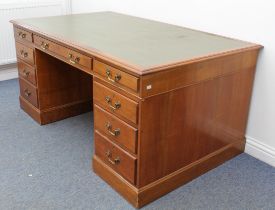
point(115, 129)
point(22, 35)
point(25, 53)
point(28, 92)
point(116, 76)
point(68, 55)
point(26, 71)
point(121, 161)
point(115, 102)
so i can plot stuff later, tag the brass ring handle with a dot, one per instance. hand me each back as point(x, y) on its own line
point(109, 76)
point(116, 106)
point(26, 73)
point(116, 132)
point(22, 35)
point(116, 161)
point(44, 45)
point(23, 54)
point(72, 59)
point(27, 92)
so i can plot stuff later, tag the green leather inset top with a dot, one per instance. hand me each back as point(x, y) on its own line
point(137, 41)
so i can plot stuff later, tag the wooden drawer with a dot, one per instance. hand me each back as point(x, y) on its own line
point(26, 71)
point(115, 102)
point(22, 35)
point(121, 161)
point(66, 54)
point(25, 53)
point(28, 92)
point(116, 129)
point(116, 76)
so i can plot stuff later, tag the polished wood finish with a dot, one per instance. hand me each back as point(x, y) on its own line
point(131, 95)
point(118, 159)
point(174, 180)
point(67, 85)
point(117, 130)
point(54, 90)
point(199, 118)
point(139, 197)
point(26, 71)
point(110, 73)
point(22, 35)
point(54, 114)
point(161, 117)
point(28, 92)
point(115, 180)
point(61, 112)
point(69, 55)
point(25, 53)
point(197, 72)
point(33, 111)
point(128, 109)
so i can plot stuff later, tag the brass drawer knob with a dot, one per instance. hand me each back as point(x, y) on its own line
point(27, 93)
point(26, 73)
point(23, 54)
point(44, 45)
point(72, 59)
point(114, 107)
point(115, 161)
point(116, 132)
point(22, 35)
point(109, 76)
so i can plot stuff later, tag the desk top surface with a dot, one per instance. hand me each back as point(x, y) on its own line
point(135, 41)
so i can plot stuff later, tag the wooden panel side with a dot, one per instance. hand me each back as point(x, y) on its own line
point(181, 76)
point(65, 111)
point(59, 83)
point(172, 181)
point(184, 125)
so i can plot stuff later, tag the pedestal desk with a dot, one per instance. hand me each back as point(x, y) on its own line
point(169, 103)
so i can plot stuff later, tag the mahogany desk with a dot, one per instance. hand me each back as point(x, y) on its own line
point(169, 103)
